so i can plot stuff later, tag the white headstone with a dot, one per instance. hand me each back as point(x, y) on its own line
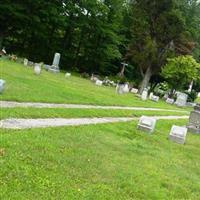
point(37, 69)
point(178, 134)
point(120, 88)
point(150, 95)
point(181, 99)
point(147, 124)
point(134, 90)
point(99, 83)
point(67, 75)
point(56, 60)
point(169, 100)
point(2, 85)
point(126, 88)
point(25, 61)
point(144, 95)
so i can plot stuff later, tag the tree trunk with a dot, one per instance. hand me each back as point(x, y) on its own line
point(1, 41)
point(146, 79)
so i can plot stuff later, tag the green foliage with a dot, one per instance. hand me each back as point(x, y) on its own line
point(180, 71)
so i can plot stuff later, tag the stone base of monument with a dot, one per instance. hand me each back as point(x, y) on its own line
point(192, 129)
point(178, 134)
point(147, 124)
point(54, 69)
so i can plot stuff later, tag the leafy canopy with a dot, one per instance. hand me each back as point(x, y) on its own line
point(180, 71)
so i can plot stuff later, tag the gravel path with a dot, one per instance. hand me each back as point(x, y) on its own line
point(55, 122)
point(13, 104)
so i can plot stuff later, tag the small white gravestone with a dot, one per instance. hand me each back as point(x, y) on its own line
point(147, 124)
point(134, 90)
point(151, 95)
point(155, 98)
point(169, 101)
point(25, 61)
point(99, 83)
point(37, 69)
point(126, 88)
point(67, 75)
point(178, 134)
point(144, 94)
point(2, 85)
point(198, 94)
point(120, 88)
point(181, 99)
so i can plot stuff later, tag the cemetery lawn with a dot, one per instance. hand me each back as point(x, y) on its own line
point(23, 86)
point(107, 161)
point(78, 113)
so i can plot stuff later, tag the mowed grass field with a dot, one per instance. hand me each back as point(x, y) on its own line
point(110, 161)
point(107, 161)
point(23, 86)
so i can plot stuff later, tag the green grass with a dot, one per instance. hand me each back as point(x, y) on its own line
point(198, 100)
point(108, 161)
point(76, 113)
point(22, 85)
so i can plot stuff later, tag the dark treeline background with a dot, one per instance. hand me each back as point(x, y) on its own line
point(95, 36)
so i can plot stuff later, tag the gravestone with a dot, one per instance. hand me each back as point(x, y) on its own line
point(120, 88)
point(178, 134)
point(37, 69)
point(147, 124)
point(155, 98)
point(150, 95)
point(25, 61)
point(30, 63)
point(55, 66)
point(46, 67)
point(2, 85)
point(181, 99)
point(194, 120)
point(170, 101)
point(144, 94)
point(67, 75)
point(134, 90)
point(126, 88)
point(99, 83)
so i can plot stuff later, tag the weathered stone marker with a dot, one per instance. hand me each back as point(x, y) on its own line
point(194, 120)
point(2, 85)
point(37, 69)
point(147, 124)
point(25, 61)
point(181, 99)
point(178, 134)
point(134, 90)
point(55, 66)
point(169, 100)
point(144, 94)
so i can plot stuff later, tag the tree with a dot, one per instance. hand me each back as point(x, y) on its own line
point(180, 71)
point(158, 32)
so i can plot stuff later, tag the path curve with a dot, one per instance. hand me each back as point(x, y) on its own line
point(56, 122)
point(13, 104)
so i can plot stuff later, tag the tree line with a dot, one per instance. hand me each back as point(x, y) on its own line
point(95, 36)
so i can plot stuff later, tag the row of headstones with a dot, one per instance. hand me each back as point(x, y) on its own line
point(37, 69)
point(99, 82)
point(177, 133)
point(52, 68)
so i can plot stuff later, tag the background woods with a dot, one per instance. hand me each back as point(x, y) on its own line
point(95, 36)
